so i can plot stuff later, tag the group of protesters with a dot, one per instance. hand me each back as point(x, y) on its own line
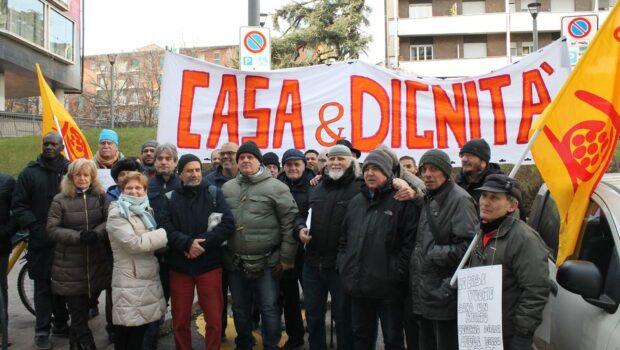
point(382, 238)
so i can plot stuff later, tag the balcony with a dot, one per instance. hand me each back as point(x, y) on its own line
point(464, 67)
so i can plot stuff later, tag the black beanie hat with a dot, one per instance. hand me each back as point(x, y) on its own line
point(380, 159)
point(439, 159)
point(186, 158)
point(478, 147)
point(271, 158)
point(252, 148)
point(125, 164)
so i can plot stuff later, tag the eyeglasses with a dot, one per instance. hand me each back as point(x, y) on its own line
point(227, 154)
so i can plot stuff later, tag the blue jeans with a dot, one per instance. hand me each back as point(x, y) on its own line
point(365, 311)
point(266, 291)
point(317, 283)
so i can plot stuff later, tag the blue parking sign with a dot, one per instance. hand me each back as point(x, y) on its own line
point(247, 61)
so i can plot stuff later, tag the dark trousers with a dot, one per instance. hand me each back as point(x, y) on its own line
point(4, 262)
point(47, 304)
point(364, 313)
point(151, 335)
point(410, 322)
point(94, 302)
point(291, 305)
point(438, 335)
point(319, 282)
point(129, 338)
point(78, 309)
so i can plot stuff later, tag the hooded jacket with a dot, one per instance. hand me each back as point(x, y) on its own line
point(376, 244)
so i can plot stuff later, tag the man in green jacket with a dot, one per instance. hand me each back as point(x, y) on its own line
point(262, 246)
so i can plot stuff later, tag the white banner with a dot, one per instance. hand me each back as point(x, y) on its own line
point(479, 309)
point(204, 105)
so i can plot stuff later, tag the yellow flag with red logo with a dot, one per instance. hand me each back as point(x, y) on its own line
point(579, 132)
point(76, 145)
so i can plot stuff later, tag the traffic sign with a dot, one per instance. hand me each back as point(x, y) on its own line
point(579, 27)
point(579, 31)
point(254, 49)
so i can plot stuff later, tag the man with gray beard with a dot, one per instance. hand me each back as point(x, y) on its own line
point(328, 202)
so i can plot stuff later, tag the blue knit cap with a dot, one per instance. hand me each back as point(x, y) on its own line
point(109, 135)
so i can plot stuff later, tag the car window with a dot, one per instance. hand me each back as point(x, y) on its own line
point(597, 242)
point(549, 225)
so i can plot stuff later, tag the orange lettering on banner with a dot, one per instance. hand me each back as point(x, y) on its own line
point(290, 91)
point(360, 86)
point(532, 79)
point(396, 116)
point(228, 90)
point(474, 109)
point(252, 83)
point(495, 85)
point(448, 115)
point(415, 141)
point(191, 80)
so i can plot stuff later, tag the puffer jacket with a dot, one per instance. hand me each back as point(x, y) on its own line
point(525, 274)
point(137, 293)
point(264, 212)
point(439, 247)
point(376, 244)
point(79, 269)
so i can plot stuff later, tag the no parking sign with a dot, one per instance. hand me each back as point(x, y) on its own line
point(254, 49)
point(579, 31)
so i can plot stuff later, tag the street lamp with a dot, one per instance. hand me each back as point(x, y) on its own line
point(534, 7)
point(263, 19)
point(112, 59)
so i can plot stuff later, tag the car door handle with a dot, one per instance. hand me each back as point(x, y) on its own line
point(553, 287)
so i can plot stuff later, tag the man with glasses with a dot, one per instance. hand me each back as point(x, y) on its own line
point(228, 166)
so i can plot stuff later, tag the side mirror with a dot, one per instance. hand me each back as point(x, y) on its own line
point(580, 277)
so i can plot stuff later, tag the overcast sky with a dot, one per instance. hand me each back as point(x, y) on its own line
point(124, 25)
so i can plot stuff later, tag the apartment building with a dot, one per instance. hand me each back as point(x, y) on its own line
point(457, 38)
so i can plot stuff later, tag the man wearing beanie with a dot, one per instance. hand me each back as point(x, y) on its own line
point(195, 238)
point(272, 163)
point(296, 176)
point(328, 201)
point(118, 172)
point(511, 243)
point(107, 150)
point(448, 222)
point(475, 166)
point(374, 252)
point(147, 152)
point(262, 246)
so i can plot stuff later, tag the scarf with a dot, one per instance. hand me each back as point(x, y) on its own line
point(138, 206)
point(107, 163)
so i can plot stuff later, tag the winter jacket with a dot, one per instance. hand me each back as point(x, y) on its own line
point(185, 217)
point(137, 293)
point(448, 222)
point(158, 185)
point(329, 201)
point(217, 177)
point(264, 212)
point(34, 191)
point(376, 244)
point(8, 224)
point(113, 193)
point(525, 274)
point(462, 181)
point(79, 269)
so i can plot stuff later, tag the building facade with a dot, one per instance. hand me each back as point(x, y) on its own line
point(457, 38)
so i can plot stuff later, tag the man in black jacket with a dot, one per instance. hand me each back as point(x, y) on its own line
point(374, 252)
point(165, 179)
point(328, 201)
point(297, 177)
point(195, 257)
point(228, 167)
point(8, 227)
point(36, 186)
point(475, 166)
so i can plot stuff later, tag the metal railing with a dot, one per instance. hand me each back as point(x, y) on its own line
point(19, 124)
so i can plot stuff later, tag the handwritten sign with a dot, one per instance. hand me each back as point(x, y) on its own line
point(480, 308)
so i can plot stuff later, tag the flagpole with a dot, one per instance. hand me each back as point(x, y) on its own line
point(62, 137)
point(476, 238)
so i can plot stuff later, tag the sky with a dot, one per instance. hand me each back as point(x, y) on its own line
point(114, 26)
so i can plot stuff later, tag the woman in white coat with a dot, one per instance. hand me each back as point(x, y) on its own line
point(137, 294)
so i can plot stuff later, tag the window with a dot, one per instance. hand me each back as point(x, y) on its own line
point(420, 10)
point(562, 6)
point(549, 225)
point(421, 52)
point(521, 49)
point(309, 54)
point(26, 19)
point(474, 50)
point(473, 7)
point(135, 63)
point(61, 35)
point(217, 57)
point(606, 4)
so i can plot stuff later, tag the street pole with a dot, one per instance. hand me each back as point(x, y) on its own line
point(253, 13)
point(112, 59)
point(534, 8)
point(535, 30)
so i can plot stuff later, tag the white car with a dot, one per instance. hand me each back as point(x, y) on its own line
point(582, 312)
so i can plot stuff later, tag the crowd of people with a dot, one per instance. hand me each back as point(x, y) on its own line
point(382, 238)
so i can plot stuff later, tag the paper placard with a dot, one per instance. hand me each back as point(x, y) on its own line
point(105, 178)
point(480, 308)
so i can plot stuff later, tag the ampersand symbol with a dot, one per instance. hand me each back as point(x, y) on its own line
point(325, 125)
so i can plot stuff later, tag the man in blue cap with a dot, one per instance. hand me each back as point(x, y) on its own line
point(107, 150)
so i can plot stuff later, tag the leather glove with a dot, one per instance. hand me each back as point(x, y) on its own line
point(88, 237)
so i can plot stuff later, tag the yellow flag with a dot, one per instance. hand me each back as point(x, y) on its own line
point(76, 145)
point(579, 131)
